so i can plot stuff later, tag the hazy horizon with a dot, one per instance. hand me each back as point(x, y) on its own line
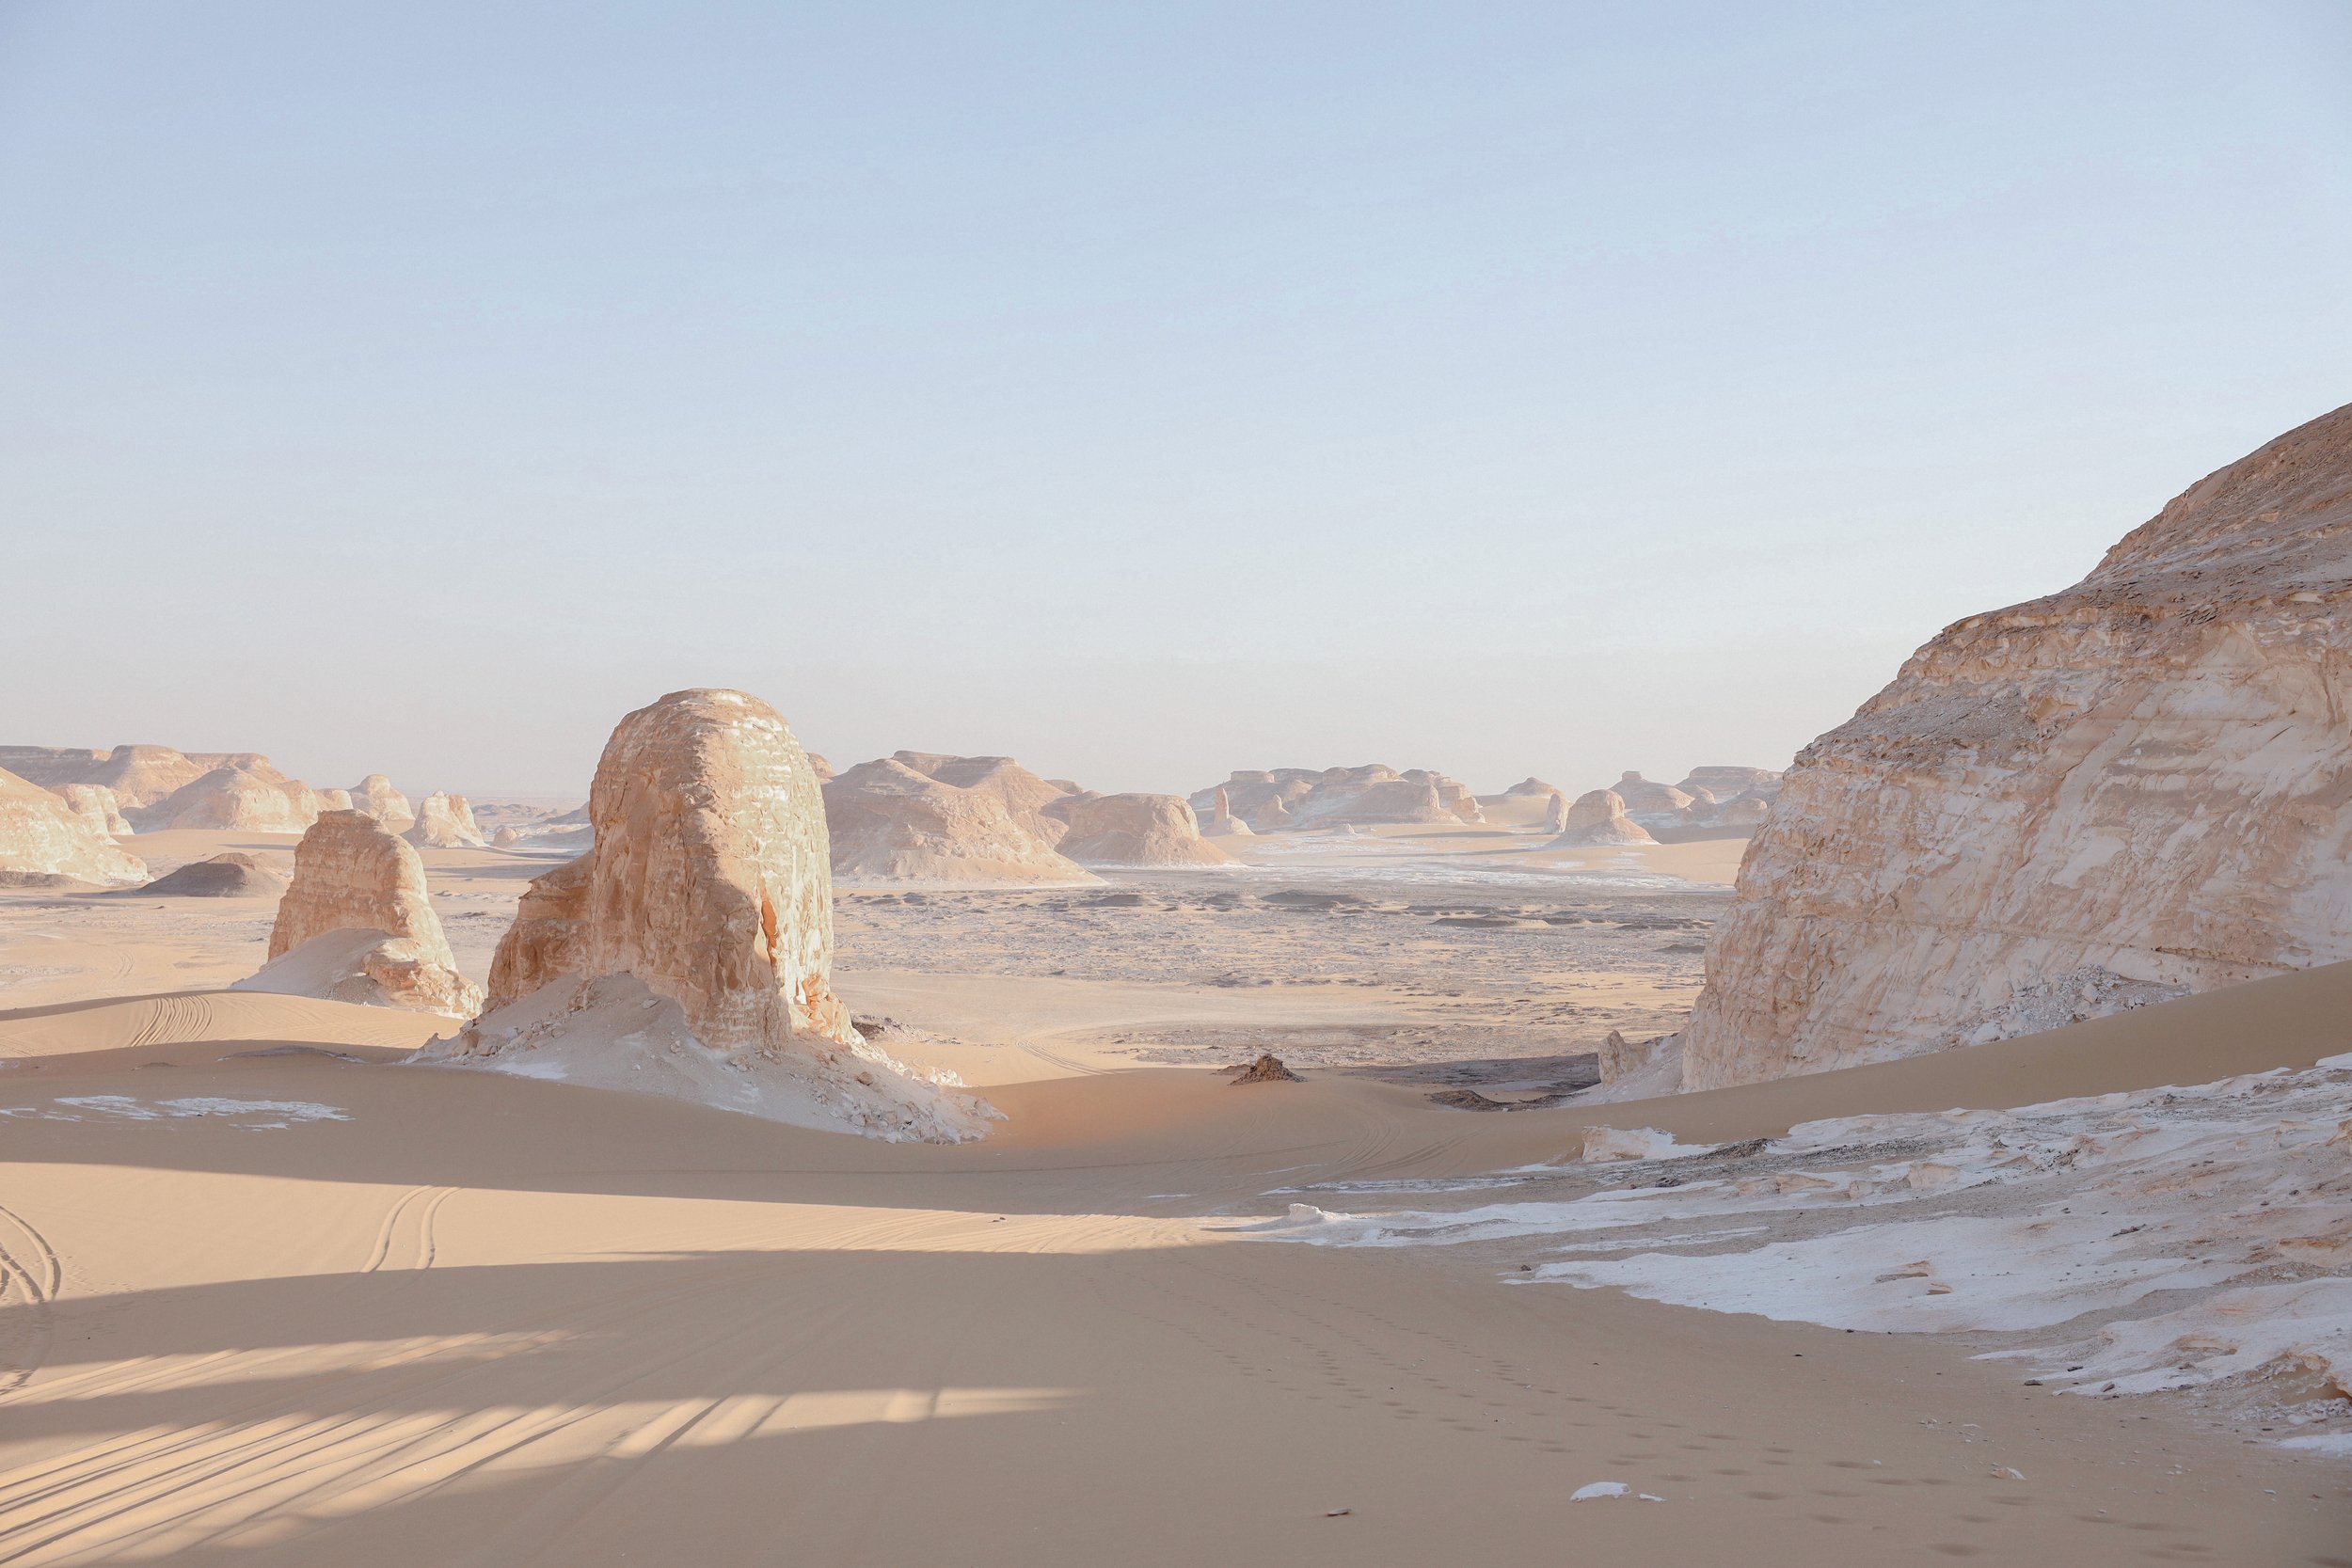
point(1143, 394)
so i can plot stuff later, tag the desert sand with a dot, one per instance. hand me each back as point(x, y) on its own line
point(278, 1296)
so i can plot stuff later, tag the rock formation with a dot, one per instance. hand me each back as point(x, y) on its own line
point(1597, 819)
point(2144, 780)
point(1556, 813)
point(1724, 783)
point(1648, 802)
point(823, 769)
point(376, 796)
point(96, 805)
point(1221, 822)
point(138, 775)
point(893, 821)
point(334, 800)
point(445, 823)
point(231, 876)
point(1533, 786)
point(1273, 800)
point(691, 951)
point(43, 841)
point(1134, 830)
point(1267, 1069)
point(357, 924)
point(244, 793)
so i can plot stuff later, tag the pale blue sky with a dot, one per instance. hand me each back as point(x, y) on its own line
point(1146, 392)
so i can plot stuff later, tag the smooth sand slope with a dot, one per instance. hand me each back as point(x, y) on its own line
point(272, 1308)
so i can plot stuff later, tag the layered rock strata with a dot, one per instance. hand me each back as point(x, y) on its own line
point(357, 924)
point(2138, 785)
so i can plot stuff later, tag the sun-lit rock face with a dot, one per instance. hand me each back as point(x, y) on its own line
point(891, 821)
point(1134, 830)
point(376, 796)
point(445, 823)
point(1599, 819)
point(689, 953)
point(711, 880)
point(43, 839)
point(357, 924)
point(2144, 780)
point(245, 793)
point(96, 805)
point(1556, 813)
point(1373, 794)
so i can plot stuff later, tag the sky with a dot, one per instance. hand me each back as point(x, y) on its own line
point(1145, 391)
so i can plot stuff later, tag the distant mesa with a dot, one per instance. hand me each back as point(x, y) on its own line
point(1599, 819)
point(357, 924)
point(138, 775)
point(229, 875)
point(689, 953)
point(445, 823)
point(923, 816)
point(46, 843)
point(2135, 787)
point(1533, 786)
point(1132, 831)
point(1285, 799)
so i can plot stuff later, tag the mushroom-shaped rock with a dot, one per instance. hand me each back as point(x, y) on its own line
point(1645, 797)
point(376, 796)
point(891, 821)
point(1599, 819)
point(1134, 830)
point(691, 952)
point(44, 841)
point(445, 823)
point(357, 924)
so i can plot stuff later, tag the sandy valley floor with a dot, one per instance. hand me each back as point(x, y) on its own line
point(273, 1298)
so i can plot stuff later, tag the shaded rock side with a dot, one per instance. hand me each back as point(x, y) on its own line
point(357, 924)
point(44, 840)
point(1134, 830)
point(445, 823)
point(2147, 776)
point(892, 822)
point(1599, 819)
point(229, 875)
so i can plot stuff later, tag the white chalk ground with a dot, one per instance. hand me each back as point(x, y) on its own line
point(614, 1033)
point(2177, 1239)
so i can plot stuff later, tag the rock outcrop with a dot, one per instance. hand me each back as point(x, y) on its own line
point(1724, 783)
point(691, 952)
point(44, 841)
point(2138, 785)
point(1221, 822)
point(245, 793)
point(1648, 802)
point(96, 805)
point(231, 876)
point(357, 924)
point(1134, 830)
point(1271, 801)
point(376, 796)
point(1556, 813)
point(893, 821)
point(1533, 786)
point(444, 822)
point(138, 775)
point(1596, 820)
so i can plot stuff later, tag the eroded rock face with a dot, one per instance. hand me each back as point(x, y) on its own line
point(1648, 802)
point(1724, 783)
point(357, 924)
point(1134, 830)
point(1597, 819)
point(138, 775)
point(1534, 785)
point(691, 952)
point(245, 793)
point(1273, 800)
point(1556, 813)
point(1221, 822)
point(44, 840)
point(890, 821)
point(376, 796)
point(96, 805)
point(445, 823)
point(2140, 783)
point(1023, 794)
